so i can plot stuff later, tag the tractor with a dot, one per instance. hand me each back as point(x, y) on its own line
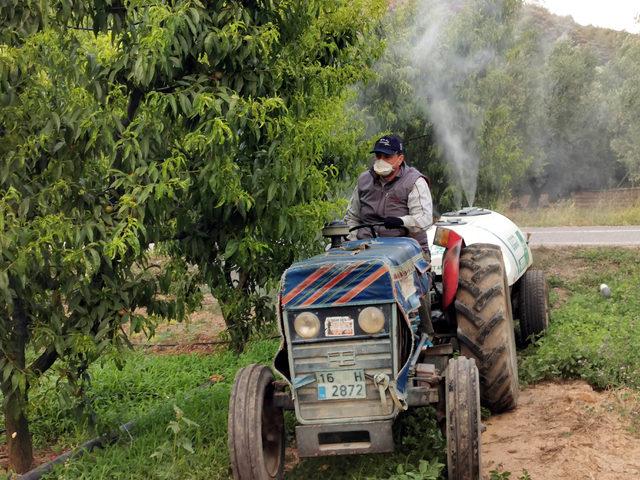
point(370, 328)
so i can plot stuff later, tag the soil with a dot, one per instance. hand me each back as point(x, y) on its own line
point(560, 262)
point(564, 431)
point(40, 456)
point(198, 333)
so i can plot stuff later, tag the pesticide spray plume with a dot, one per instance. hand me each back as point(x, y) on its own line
point(447, 62)
point(512, 98)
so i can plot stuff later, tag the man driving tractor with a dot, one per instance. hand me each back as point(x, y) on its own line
point(393, 193)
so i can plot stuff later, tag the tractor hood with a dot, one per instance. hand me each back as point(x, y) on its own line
point(359, 272)
point(479, 225)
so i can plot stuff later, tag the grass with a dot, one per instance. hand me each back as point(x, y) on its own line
point(590, 337)
point(148, 389)
point(117, 396)
point(181, 430)
point(565, 213)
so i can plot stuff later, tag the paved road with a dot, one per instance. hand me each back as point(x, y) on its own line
point(563, 236)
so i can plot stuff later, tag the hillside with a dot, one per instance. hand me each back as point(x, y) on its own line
point(603, 41)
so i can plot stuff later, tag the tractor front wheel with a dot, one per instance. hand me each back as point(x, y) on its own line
point(462, 397)
point(256, 427)
point(485, 324)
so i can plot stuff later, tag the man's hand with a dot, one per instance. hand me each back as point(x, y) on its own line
point(393, 222)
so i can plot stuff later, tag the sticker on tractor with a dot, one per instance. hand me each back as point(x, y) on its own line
point(513, 241)
point(338, 326)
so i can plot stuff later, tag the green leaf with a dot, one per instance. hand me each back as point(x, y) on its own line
point(271, 192)
point(231, 248)
point(4, 281)
point(6, 371)
point(185, 104)
point(173, 427)
point(187, 445)
point(174, 107)
point(58, 146)
point(23, 209)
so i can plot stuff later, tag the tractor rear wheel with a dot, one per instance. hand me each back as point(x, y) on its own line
point(462, 394)
point(485, 324)
point(256, 427)
point(533, 305)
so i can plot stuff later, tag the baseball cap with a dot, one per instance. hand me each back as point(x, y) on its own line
point(389, 144)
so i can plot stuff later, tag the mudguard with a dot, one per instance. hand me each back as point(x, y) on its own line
point(479, 225)
point(451, 268)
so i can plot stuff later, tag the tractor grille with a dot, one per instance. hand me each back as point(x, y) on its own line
point(373, 356)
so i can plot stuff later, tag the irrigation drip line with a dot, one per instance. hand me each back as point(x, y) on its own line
point(90, 445)
point(87, 446)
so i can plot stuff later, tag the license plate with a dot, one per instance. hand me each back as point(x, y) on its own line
point(341, 384)
point(338, 326)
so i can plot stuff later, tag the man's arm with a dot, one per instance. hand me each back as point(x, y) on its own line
point(352, 217)
point(420, 207)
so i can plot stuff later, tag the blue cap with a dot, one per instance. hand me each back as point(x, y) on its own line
point(389, 144)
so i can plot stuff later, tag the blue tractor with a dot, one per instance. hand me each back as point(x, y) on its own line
point(370, 329)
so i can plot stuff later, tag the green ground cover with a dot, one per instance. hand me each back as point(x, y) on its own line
point(182, 431)
point(590, 337)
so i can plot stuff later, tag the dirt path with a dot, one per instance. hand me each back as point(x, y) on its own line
point(564, 431)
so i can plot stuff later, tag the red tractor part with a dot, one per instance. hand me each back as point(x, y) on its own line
point(450, 262)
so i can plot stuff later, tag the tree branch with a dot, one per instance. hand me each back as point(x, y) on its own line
point(134, 102)
point(44, 362)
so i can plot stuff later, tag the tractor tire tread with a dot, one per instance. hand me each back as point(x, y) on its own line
point(463, 419)
point(485, 324)
point(476, 319)
point(245, 438)
point(533, 301)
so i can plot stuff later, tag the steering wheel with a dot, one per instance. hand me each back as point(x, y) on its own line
point(371, 226)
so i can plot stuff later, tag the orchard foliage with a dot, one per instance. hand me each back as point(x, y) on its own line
point(214, 129)
point(625, 76)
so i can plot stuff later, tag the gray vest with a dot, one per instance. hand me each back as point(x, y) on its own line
point(379, 200)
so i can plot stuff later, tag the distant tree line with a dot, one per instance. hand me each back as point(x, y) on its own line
point(548, 107)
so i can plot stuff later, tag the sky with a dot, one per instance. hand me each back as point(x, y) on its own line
point(615, 14)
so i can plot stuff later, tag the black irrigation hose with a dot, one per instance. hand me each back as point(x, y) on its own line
point(88, 446)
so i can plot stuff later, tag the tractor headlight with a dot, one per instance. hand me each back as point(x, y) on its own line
point(371, 320)
point(307, 325)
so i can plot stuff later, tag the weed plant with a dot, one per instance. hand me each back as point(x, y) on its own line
point(590, 337)
point(182, 429)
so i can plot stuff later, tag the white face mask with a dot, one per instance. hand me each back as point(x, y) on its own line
point(382, 168)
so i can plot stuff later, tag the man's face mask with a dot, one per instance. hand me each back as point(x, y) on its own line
point(386, 164)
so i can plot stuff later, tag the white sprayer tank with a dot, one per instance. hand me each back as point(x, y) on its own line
point(479, 225)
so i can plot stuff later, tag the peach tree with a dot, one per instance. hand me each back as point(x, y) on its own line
point(215, 129)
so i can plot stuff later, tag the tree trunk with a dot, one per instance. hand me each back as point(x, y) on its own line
point(19, 443)
point(235, 303)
